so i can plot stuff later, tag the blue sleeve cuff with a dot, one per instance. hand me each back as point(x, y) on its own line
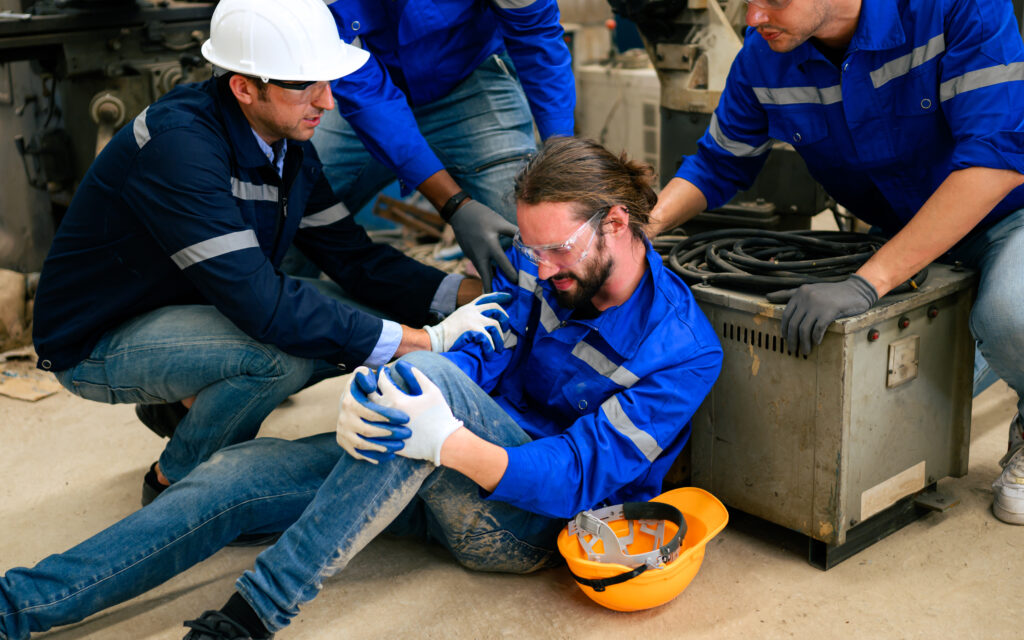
point(446, 297)
point(513, 484)
point(554, 124)
point(387, 345)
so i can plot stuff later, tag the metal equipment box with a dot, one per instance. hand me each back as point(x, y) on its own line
point(836, 445)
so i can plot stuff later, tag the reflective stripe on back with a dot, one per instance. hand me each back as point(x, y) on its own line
point(141, 129)
point(214, 247)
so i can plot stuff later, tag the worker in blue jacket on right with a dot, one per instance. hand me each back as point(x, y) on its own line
point(444, 104)
point(911, 114)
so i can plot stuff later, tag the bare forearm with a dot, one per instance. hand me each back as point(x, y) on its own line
point(412, 340)
point(438, 188)
point(956, 207)
point(481, 461)
point(469, 289)
point(679, 201)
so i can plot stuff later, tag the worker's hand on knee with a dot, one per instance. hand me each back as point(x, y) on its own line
point(478, 228)
point(430, 418)
point(368, 431)
point(813, 307)
point(484, 315)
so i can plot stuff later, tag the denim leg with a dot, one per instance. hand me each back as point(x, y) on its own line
point(180, 351)
point(997, 318)
point(360, 500)
point(254, 487)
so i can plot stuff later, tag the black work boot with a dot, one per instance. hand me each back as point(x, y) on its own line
point(217, 625)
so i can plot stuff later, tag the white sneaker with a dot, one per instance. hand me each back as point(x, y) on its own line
point(1008, 491)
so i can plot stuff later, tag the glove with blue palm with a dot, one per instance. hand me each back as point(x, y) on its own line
point(430, 419)
point(484, 315)
point(368, 431)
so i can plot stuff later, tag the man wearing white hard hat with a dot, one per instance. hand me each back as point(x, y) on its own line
point(162, 282)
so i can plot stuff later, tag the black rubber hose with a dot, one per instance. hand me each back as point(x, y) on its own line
point(760, 261)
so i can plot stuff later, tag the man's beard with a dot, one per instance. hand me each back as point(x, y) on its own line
point(588, 284)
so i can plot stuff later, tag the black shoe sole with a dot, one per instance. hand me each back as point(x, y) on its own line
point(151, 487)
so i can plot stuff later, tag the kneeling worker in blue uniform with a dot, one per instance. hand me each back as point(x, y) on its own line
point(162, 282)
point(586, 402)
point(909, 113)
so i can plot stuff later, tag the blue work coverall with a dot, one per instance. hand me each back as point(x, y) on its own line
point(925, 88)
point(590, 411)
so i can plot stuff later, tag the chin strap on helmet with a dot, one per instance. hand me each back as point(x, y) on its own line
point(589, 527)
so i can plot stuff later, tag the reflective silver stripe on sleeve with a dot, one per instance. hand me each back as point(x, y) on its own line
point(323, 218)
point(601, 364)
point(734, 147)
point(901, 66)
point(249, 191)
point(513, 4)
point(644, 441)
point(799, 95)
point(141, 129)
point(511, 340)
point(215, 247)
point(548, 319)
point(981, 78)
point(527, 281)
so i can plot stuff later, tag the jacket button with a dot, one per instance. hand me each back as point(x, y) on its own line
point(582, 405)
point(797, 137)
point(356, 25)
point(342, 368)
point(926, 104)
point(46, 364)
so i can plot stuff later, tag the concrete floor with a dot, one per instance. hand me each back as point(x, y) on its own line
point(69, 467)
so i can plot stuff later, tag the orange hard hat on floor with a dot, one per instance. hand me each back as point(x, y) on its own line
point(639, 555)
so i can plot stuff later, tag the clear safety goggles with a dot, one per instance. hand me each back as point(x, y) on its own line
point(561, 255)
point(591, 527)
point(771, 5)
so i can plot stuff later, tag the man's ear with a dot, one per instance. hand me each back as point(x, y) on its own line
point(244, 89)
point(617, 220)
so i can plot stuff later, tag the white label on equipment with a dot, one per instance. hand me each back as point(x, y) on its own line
point(887, 493)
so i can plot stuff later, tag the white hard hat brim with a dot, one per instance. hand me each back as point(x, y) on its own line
point(346, 60)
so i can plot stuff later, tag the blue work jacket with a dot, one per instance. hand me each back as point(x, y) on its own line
point(182, 207)
point(421, 49)
point(925, 88)
point(607, 401)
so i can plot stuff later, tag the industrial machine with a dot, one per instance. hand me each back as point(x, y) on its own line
point(845, 445)
point(71, 73)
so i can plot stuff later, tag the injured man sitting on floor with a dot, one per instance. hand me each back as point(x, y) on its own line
point(487, 450)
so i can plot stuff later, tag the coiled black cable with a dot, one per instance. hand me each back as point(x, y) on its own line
point(760, 261)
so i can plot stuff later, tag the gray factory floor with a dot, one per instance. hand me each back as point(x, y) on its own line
point(69, 467)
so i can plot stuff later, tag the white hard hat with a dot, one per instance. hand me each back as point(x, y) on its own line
point(280, 40)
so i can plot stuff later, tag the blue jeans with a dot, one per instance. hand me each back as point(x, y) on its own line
point(481, 132)
point(997, 317)
point(176, 352)
point(328, 504)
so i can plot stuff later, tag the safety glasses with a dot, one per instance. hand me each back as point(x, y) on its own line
point(561, 255)
point(299, 91)
point(771, 5)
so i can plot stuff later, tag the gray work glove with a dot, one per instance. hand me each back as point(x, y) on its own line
point(812, 307)
point(478, 229)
